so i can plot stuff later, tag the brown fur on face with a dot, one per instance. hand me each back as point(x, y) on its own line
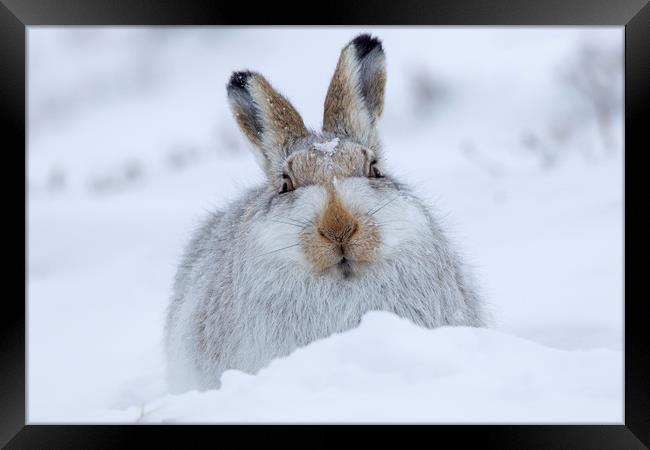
point(310, 166)
point(339, 233)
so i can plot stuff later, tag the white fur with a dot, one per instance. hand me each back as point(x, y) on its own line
point(273, 233)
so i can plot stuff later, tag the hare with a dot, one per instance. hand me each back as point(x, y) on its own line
point(328, 237)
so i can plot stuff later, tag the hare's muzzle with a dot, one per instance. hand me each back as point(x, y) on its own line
point(341, 237)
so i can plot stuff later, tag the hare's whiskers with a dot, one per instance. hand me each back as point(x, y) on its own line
point(390, 221)
point(279, 249)
point(296, 221)
point(305, 222)
point(288, 223)
point(374, 211)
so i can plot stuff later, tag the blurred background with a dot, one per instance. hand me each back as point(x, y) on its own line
point(513, 135)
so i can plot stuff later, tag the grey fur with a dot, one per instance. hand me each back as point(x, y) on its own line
point(237, 305)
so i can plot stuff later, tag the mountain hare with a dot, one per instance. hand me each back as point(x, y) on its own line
point(329, 236)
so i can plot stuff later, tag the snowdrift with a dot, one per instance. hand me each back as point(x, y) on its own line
point(390, 370)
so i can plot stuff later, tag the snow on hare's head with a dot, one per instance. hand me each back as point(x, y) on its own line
point(330, 208)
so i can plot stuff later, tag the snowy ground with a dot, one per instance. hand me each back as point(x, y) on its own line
point(130, 142)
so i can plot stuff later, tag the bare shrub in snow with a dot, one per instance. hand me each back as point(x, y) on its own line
point(596, 75)
point(56, 180)
point(587, 115)
point(180, 157)
point(481, 160)
point(548, 154)
point(117, 179)
point(426, 91)
point(133, 171)
point(228, 140)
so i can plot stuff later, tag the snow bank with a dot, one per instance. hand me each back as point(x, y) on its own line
point(389, 370)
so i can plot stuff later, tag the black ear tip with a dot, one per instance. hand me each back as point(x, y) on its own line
point(238, 80)
point(364, 44)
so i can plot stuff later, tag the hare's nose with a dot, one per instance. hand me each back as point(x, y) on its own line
point(337, 225)
point(339, 234)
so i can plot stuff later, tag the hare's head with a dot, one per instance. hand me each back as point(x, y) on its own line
point(329, 202)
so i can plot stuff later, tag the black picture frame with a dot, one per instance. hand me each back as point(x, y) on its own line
point(16, 15)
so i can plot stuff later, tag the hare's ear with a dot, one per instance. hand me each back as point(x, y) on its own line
point(267, 119)
point(355, 97)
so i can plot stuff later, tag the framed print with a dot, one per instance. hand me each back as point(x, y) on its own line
point(401, 215)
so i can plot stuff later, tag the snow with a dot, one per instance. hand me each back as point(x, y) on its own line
point(388, 370)
point(328, 147)
point(131, 142)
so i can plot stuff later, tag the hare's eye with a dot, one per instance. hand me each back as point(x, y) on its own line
point(287, 184)
point(374, 170)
